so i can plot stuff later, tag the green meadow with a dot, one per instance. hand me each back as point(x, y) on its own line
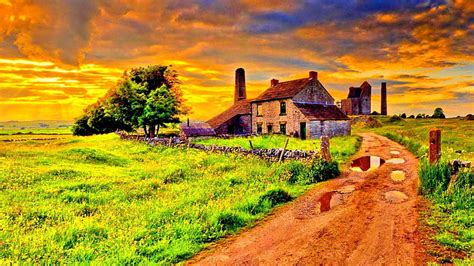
point(103, 200)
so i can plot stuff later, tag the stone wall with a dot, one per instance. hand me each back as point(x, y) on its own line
point(267, 154)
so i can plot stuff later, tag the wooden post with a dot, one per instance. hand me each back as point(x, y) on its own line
point(251, 146)
point(169, 142)
point(283, 151)
point(325, 152)
point(435, 145)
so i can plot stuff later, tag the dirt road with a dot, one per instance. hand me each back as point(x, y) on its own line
point(350, 220)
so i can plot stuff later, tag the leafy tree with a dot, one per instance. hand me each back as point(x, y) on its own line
point(411, 116)
point(438, 113)
point(403, 115)
point(146, 97)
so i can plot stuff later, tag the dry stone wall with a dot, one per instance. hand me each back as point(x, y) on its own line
point(267, 154)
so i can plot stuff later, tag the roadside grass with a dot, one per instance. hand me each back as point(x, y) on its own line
point(341, 147)
point(451, 214)
point(106, 201)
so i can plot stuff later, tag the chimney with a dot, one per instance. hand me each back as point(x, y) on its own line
point(383, 105)
point(240, 90)
point(274, 82)
point(313, 75)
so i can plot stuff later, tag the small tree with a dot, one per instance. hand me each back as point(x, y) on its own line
point(403, 115)
point(438, 113)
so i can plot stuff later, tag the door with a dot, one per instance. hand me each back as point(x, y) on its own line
point(303, 130)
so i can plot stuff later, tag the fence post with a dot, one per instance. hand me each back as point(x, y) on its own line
point(251, 146)
point(283, 151)
point(325, 152)
point(435, 145)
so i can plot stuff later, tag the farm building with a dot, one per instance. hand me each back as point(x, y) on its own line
point(358, 101)
point(196, 129)
point(236, 119)
point(301, 107)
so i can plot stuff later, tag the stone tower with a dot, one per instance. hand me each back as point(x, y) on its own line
point(383, 104)
point(365, 98)
point(240, 90)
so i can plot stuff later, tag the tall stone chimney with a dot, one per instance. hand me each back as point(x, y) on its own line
point(313, 75)
point(383, 104)
point(240, 90)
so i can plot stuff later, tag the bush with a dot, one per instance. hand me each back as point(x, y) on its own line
point(403, 115)
point(319, 170)
point(395, 118)
point(275, 197)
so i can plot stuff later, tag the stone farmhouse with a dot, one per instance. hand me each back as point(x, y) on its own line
point(301, 108)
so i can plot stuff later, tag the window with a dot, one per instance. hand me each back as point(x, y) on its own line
point(282, 108)
point(283, 128)
point(269, 128)
point(259, 128)
point(259, 109)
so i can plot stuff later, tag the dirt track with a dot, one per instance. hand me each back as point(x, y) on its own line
point(361, 227)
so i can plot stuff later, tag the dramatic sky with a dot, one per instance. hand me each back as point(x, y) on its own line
point(58, 56)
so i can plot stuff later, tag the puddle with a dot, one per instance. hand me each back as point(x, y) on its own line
point(395, 196)
point(366, 163)
point(346, 189)
point(396, 160)
point(397, 176)
point(330, 200)
point(395, 152)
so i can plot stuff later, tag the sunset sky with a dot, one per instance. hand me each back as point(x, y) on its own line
point(58, 56)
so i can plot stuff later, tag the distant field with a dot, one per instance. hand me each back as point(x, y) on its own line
point(99, 199)
point(457, 134)
point(35, 127)
point(341, 147)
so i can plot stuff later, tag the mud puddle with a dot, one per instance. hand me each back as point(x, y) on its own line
point(329, 200)
point(366, 163)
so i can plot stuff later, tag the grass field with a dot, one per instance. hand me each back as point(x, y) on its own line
point(451, 214)
point(99, 199)
point(52, 127)
point(457, 134)
point(341, 147)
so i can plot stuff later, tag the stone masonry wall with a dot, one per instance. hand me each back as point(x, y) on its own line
point(330, 128)
point(314, 93)
point(271, 115)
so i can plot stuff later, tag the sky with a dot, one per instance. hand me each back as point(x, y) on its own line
point(58, 56)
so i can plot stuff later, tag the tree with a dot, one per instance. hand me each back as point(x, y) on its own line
point(403, 115)
point(438, 113)
point(411, 116)
point(146, 97)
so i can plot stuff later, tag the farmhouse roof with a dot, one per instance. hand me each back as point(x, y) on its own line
point(241, 107)
point(283, 90)
point(196, 129)
point(321, 111)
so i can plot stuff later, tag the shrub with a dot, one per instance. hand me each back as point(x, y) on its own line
point(403, 115)
point(229, 221)
point(395, 118)
point(275, 197)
